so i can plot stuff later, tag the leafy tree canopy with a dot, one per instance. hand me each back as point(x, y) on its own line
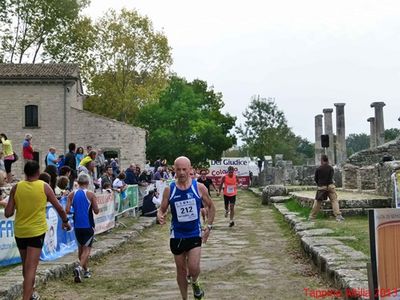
point(128, 67)
point(391, 134)
point(356, 142)
point(27, 26)
point(265, 132)
point(187, 120)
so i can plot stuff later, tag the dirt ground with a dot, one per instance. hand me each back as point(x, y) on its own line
point(255, 259)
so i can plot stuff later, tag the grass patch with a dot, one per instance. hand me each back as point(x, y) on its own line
point(304, 212)
point(356, 226)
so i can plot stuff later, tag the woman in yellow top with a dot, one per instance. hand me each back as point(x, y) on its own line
point(8, 155)
point(29, 199)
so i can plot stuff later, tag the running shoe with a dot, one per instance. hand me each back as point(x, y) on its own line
point(77, 274)
point(231, 224)
point(35, 296)
point(87, 274)
point(198, 292)
point(339, 218)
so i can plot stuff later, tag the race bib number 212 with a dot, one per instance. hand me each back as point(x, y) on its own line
point(186, 210)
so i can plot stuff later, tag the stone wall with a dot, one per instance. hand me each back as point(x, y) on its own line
point(372, 156)
point(50, 101)
point(366, 178)
point(384, 182)
point(108, 134)
point(350, 176)
point(83, 128)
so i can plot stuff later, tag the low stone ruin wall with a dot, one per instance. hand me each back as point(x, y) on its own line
point(372, 156)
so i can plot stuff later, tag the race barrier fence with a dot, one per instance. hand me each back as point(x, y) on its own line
point(59, 242)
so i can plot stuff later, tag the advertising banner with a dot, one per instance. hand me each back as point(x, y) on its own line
point(105, 219)
point(9, 253)
point(57, 242)
point(396, 183)
point(218, 168)
point(161, 185)
point(385, 252)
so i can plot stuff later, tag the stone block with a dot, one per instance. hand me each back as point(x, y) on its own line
point(315, 232)
point(273, 190)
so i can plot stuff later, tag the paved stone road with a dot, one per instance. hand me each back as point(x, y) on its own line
point(249, 261)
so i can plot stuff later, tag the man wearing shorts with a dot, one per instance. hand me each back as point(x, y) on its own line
point(229, 183)
point(184, 196)
point(208, 183)
point(29, 199)
point(84, 204)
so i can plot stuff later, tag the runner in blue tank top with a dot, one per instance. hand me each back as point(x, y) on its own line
point(185, 196)
point(84, 204)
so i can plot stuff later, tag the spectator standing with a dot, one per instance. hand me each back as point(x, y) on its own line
point(9, 157)
point(90, 157)
point(115, 166)
point(120, 185)
point(52, 171)
point(29, 199)
point(27, 149)
point(131, 175)
point(51, 157)
point(71, 162)
point(158, 174)
point(326, 189)
point(79, 156)
point(88, 169)
point(157, 164)
point(100, 162)
point(107, 177)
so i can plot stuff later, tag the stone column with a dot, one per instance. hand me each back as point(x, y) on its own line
point(379, 124)
point(318, 132)
point(329, 131)
point(341, 152)
point(372, 135)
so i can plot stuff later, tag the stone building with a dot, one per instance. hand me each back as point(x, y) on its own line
point(46, 100)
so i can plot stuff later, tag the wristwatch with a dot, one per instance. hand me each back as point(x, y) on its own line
point(209, 226)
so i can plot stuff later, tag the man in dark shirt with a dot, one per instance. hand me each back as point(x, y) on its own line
point(206, 181)
point(70, 161)
point(325, 189)
point(131, 176)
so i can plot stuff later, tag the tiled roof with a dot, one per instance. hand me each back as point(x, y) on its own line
point(38, 71)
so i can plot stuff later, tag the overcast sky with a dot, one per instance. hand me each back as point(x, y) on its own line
point(306, 54)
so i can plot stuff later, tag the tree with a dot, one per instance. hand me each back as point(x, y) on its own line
point(187, 120)
point(28, 25)
point(356, 142)
point(129, 67)
point(391, 134)
point(265, 130)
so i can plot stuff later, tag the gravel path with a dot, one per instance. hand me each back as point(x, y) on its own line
point(252, 260)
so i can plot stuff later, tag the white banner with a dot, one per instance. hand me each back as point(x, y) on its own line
point(105, 219)
point(9, 253)
point(220, 167)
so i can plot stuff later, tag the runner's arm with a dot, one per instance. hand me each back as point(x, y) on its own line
point(93, 200)
point(221, 185)
point(209, 204)
point(162, 211)
point(53, 200)
point(10, 208)
point(69, 202)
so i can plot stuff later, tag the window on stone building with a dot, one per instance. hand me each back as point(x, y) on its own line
point(31, 116)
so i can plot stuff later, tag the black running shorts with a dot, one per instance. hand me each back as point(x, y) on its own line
point(84, 236)
point(179, 246)
point(229, 200)
point(34, 242)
